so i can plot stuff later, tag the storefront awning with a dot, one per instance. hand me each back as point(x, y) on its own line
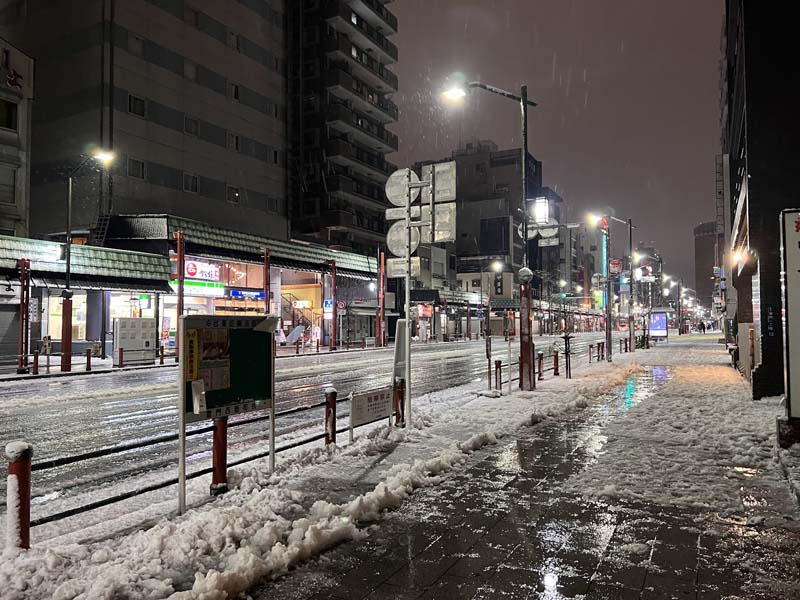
point(55, 282)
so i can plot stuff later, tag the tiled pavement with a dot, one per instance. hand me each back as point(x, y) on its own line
point(500, 529)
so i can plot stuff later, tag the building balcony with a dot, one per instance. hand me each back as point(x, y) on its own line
point(360, 64)
point(348, 219)
point(354, 191)
point(342, 84)
point(342, 152)
point(361, 128)
point(341, 16)
point(376, 14)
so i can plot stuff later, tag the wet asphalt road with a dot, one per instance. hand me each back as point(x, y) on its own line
point(72, 415)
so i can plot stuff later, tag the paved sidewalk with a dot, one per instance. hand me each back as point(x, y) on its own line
point(504, 528)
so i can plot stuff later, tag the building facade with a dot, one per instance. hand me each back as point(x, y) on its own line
point(190, 97)
point(705, 257)
point(759, 91)
point(340, 106)
point(16, 98)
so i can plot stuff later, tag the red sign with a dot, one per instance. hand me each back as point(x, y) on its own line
point(425, 311)
point(201, 270)
point(615, 266)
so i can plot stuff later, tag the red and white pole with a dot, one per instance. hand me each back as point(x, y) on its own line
point(527, 381)
point(180, 243)
point(219, 457)
point(379, 333)
point(334, 314)
point(330, 416)
point(18, 495)
point(266, 281)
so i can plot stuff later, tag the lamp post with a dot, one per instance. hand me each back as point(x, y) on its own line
point(458, 93)
point(104, 159)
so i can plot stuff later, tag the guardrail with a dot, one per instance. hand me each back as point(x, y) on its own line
point(329, 435)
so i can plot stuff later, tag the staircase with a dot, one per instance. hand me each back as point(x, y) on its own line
point(100, 231)
point(289, 313)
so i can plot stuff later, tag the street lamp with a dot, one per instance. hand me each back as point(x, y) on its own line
point(457, 93)
point(104, 158)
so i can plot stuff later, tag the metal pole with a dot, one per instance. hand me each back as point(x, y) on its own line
point(407, 389)
point(66, 306)
point(523, 103)
point(266, 281)
point(609, 292)
point(180, 243)
point(335, 313)
point(68, 251)
point(181, 418)
point(632, 288)
point(379, 333)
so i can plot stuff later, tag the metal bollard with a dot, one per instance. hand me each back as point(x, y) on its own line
point(161, 355)
point(555, 363)
point(498, 374)
point(19, 456)
point(317, 345)
point(36, 362)
point(363, 343)
point(347, 347)
point(121, 356)
point(591, 350)
point(620, 346)
point(598, 350)
point(297, 347)
point(603, 350)
point(330, 416)
point(540, 356)
point(88, 359)
point(399, 403)
point(219, 457)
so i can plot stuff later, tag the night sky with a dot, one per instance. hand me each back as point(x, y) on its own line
point(628, 94)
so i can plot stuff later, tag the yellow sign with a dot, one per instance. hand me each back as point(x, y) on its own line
point(192, 351)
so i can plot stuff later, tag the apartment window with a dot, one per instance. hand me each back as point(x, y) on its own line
point(190, 183)
point(233, 91)
point(8, 115)
point(190, 70)
point(275, 157)
point(135, 45)
point(233, 195)
point(191, 16)
point(354, 18)
point(191, 125)
point(354, 52)
point(501, 187)
point(234, 142)
point(135, 168)
point(8, 179)
point(6, 58)
point(136, 105)
point(234, 41)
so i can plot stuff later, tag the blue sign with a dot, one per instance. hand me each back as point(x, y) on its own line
point(327, 305)
point(248, 294)
point(658, 325)
point(479, 314)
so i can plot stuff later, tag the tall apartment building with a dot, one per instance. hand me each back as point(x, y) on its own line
point(760, 89)
point(189, 95)
point(705, 259)
point(340, 104)
point(16, 99)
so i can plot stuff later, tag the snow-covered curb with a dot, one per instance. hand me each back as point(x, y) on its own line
point(264, 527)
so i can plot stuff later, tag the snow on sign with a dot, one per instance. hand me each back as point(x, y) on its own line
point(371, 406)
point(397, 187)
point(790, 249)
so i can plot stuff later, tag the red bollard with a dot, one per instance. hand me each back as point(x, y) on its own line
point(88, 359)
point(540, 356)
point(297, 347)
point(330, 416)
point(36, 362)
point(555, 363)
point(121, 355)
point(219, 457)
point(399, 403)
point(603, 350)
point(19, 456)
point(591, 350)
point(498, 373)
point(317, 345)
point(161, 355)
point(363, 343)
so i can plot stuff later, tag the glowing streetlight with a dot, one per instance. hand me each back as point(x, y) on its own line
point(666, 291)
point(103, 157)
point(579, 288)
point(454, 94)
point(497, 266)
point(562, 283)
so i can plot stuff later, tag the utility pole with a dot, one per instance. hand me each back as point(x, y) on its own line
point(609, 292)
point(631, 291)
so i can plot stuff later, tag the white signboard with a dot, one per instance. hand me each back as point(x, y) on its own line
point(393, 214)
point(615, 266)
point(368, 407)
point(545, 242)
point(445, 182)
point(396, 267)
point(445, 223)
point(397, 239)
point(195, 269)
point(791, 308)
point(397, 187)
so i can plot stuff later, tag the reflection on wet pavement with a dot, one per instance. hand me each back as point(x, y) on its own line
point(501, 528)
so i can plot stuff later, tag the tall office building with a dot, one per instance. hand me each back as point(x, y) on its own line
point(188, 95)
point(339, 108)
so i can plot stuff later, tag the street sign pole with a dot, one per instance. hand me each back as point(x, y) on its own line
point(609, 292)
point(407, 386)
point(527, 381)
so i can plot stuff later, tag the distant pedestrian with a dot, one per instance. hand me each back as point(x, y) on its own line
point(702, 327)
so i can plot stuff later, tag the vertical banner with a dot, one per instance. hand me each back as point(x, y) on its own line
point(790, 250)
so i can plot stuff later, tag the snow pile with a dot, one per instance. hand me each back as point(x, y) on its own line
point(266, 525)
point(17, 449)
point(693, 442)
point(13, 536)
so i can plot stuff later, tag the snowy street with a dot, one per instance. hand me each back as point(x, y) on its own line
point(655, 479)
